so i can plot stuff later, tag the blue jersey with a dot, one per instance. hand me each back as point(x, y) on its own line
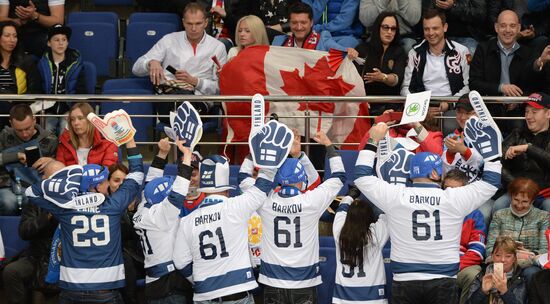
point(90, 238)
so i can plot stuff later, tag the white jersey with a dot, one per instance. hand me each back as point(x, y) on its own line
point(425, 222)
point(471, 163)
point(211, 246)
point(290, 238)
point(365, 283)
point(157, 225)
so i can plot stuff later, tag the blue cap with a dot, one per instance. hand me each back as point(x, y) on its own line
point(92, 175)
point(158, 189)
point(291, 172)
point(423, 163)
point(214, 174)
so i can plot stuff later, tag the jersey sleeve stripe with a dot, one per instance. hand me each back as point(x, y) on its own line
point(159, 270)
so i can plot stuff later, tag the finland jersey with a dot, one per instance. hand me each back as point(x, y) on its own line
point(424, 221)
point(472, 165)
point(365, 283)
point(92, 252)
point(290, 237)
point(157, 225)
point(212, 242)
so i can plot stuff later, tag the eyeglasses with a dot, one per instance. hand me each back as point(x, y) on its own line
point(388, 28)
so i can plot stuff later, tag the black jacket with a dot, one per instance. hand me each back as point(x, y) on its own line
point(485, 69)
point(534, 164)
point(36, 227)
point(516, 294)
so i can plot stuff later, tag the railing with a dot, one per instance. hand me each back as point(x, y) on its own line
point(229, 99)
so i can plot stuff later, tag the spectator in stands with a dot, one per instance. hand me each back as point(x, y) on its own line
point(384, 61)
point(274, 14)
point(250, 31)
point(457, 154)
point(61, 71)
point(339, 18)
point(472, 238)
point(501, 66)
point(466, 20)
point(522, 222)
point(190, 53)
point(408, 14)
point(437, 64)
point(194, 196)
point(542, 68)
point(82, 143)
point(34, 18)
point(538, 287)
point(36, 226)
point(527, 151)
point(18, 74)
point(24, 132)
point(303, 35)
point(511, 288)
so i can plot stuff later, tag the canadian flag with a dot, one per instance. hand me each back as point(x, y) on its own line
point(274, 70)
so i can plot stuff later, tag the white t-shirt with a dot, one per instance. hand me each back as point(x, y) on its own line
point(82, 155)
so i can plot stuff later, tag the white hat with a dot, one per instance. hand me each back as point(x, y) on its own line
point(214, 176)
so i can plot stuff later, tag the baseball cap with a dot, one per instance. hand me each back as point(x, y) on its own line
point(214, 174)
point(59, 29)
point(423, 163)
point(464, 103)
point(539, 100)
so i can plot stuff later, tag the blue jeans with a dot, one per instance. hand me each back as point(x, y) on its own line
point(247, 300)
point(90, 296)
point(407, 44)
point(56, 125)
point(468, 42)
point(505, 200)
point(487, 210)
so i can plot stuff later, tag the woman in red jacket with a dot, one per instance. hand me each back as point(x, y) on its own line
point(82, 143)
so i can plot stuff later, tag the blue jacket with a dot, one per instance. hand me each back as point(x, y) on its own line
point(339, 17)
point(70, 68)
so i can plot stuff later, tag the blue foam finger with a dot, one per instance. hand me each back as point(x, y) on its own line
point(484, 138)
point(271, 144)
point(395, 170)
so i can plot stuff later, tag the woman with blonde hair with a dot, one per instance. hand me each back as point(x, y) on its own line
point(82, 143)
point(494, 287)
point(250, 31)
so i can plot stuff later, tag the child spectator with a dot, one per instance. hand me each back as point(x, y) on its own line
point(61, 72)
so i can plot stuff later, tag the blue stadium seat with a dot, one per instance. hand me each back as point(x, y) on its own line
point(349, 157)
point(13, 244)
point(171, 18)
point(327, 263)
point(90, 74)
point(326, 241)
point(97, 43)
point(141, 36)
point(93, 17)
point(131, 86)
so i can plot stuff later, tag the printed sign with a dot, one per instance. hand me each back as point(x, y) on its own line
point(416, 107)
point(258, 112)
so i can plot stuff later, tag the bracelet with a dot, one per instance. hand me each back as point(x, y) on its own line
point(385, 78)
point(37, 17)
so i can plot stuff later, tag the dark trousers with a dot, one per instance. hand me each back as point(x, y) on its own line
point(435, 291)
point(90, 296)
point(17, 278)
point(274, 295)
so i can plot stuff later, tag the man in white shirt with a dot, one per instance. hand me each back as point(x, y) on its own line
point(437, 64)
point(191, 54)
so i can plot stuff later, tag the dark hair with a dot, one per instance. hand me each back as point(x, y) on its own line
point(20, 112)
point(300, 8)
point(457, 175)
point(432, 13)
point(115, 167)
point(375, 50)
point(524, 185)
point(356, 233)
point(194, 7)
point(17, 54)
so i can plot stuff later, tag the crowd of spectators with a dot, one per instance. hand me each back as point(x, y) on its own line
point(499, 48)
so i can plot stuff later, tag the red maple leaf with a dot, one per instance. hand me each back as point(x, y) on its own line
point(318, 80)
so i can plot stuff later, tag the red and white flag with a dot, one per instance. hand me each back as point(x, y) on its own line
point(273, 70)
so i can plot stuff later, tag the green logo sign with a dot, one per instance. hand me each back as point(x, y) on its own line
point(412, 109)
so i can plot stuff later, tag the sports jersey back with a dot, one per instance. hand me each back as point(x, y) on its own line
point(290, 237)
point(92, 251)
point(212, 243)
point(365, 283)
point(424, 221)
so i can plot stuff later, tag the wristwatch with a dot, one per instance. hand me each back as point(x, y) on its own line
point(37, 17)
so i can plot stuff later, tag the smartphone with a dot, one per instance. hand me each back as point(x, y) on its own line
point(498, 270)
point(171, 69)
point(32, 154)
